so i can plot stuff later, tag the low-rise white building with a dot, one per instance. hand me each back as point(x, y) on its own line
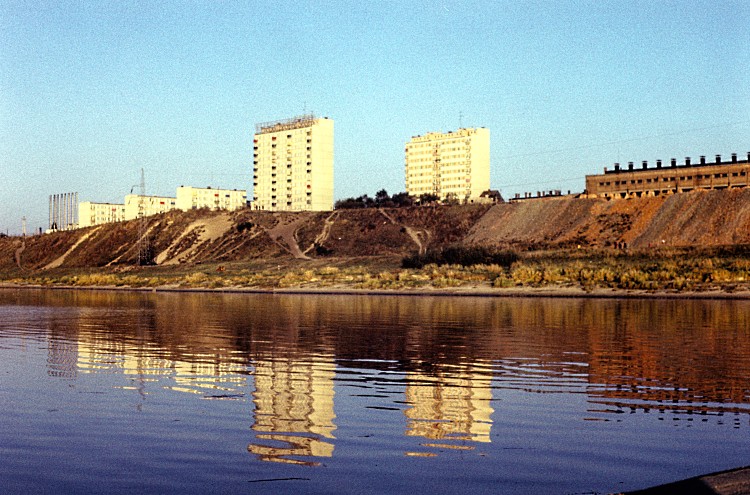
point(90, 213)
point(137, 205)
point(192, 198)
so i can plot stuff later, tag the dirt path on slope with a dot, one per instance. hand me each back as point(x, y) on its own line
point(325, 233)
point(18, 253)
point(208, 230)
point(59, 261)
point(285, 232)
point(415, 235)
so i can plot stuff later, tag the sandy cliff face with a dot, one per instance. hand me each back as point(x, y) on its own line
point(700, 218)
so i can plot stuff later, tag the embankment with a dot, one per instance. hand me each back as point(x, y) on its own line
point(695, 219)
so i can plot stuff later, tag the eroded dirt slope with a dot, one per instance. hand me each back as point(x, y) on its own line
point(700, 218)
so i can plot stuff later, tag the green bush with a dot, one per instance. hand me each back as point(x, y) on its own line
point(461, 255)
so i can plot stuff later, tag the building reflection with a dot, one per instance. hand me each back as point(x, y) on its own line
point(294, 415)
point(685, 359)
point(449, 408)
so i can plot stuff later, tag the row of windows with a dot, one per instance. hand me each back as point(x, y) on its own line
point(423, 150)
point(431, 143)
point(673, 179)
point(442, 158)
point(444, 173)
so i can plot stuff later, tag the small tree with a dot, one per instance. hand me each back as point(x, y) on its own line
point(402, 199)
point(382, 197)
point(451, 199)
point(427, 198)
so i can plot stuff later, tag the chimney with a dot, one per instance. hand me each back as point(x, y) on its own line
point(687, 161)
point(718, 158)
point(658, 163)
point(703, 159)
point(644, 164)
point(674, 162)
point(617, 167)
point(734, 157)
point(630, 165)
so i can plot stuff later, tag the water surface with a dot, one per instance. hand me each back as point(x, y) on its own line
point(116, 392)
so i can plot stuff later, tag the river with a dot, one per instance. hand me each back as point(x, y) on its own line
point(126, 392)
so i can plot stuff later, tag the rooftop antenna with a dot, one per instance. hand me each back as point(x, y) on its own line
point(460, 120)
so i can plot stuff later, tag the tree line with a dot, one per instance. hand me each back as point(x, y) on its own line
point(383, 200)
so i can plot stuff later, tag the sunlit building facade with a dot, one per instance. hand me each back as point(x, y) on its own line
point(293, 165)
point(452, 165)
point(193, 198)
point(137, 206)
point(90, 214)
point(663, 179)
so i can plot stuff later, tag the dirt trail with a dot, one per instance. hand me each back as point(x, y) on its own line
point(208, 230)
point(285, 232)
point(325, 233)
point(19, 251)
point(413, 234)
point(59, 261)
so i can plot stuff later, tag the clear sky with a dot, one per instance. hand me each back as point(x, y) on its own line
point(91, 92)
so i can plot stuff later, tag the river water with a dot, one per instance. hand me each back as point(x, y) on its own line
point(120, 392)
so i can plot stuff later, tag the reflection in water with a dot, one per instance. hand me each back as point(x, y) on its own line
point(285, 356)
point(294, 404)
point(451, 405)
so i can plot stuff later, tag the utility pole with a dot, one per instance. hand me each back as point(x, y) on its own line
point(143, 247)
point(23, 223)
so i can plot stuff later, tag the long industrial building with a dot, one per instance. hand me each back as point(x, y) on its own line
point(675, 178)
point(452, 165)
point(293, 165)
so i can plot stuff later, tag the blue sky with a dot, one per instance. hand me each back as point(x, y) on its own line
point(91, 92)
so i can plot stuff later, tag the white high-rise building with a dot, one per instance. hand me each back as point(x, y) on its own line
point(451, 165)
point(293, 165)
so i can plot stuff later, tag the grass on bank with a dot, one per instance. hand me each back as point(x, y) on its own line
point(675, 271)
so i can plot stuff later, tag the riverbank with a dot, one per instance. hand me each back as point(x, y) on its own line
point(517, 292)
point(697, 273)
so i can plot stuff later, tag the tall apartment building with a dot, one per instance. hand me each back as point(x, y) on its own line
point(449, 165)
point(192, 198)
point(293, 165)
